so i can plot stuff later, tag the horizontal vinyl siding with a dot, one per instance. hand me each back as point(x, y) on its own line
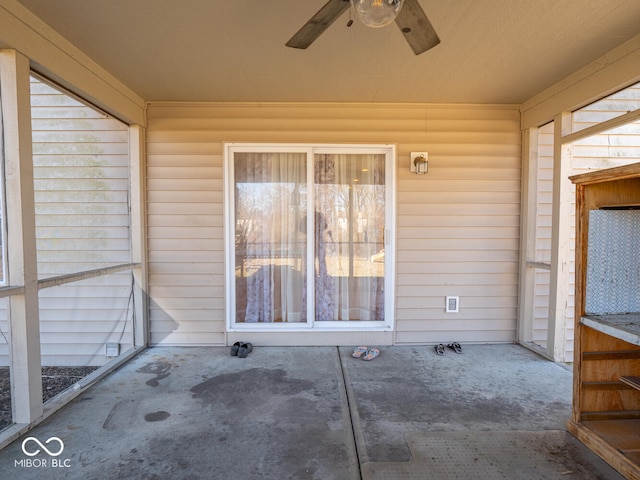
point(458, 231)
point(77, 319)
point(185, 227)
point(457, 226)
point(81, 182)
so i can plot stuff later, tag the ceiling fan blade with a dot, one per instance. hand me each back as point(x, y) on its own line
point(318, 23)
point(416, 28)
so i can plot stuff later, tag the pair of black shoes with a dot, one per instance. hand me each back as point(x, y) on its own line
point(455, 346)
point(241, 349)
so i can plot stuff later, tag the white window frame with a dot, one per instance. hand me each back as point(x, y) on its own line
point(3, 220)
point(389, 150)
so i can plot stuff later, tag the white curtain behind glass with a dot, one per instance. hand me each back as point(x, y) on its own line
point(347, 237)
point(349, 192)
point(270, 249)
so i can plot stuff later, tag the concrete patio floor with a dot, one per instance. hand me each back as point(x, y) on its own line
point(495, 411)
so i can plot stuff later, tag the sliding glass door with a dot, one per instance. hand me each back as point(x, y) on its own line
point(270, 249)
point(307, 228)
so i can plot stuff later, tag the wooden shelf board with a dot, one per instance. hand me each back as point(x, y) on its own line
point(617, 415)
point(611, 355)
point(625, 462)
point(599, 386)
point(625, 326)
point(622, 434)
point(633, 455)
point(626, 206)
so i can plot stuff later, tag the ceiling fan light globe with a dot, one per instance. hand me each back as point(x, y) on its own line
point(377, 13)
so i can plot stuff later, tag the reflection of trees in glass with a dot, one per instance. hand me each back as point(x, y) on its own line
point(265, 212)
point(248, 211)
point(350, 191)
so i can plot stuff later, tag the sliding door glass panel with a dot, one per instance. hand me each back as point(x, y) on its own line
point(349, 204)
point(270, 191)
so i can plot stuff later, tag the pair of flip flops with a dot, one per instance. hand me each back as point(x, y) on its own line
point(365, 353)
point(241, 349)
point(455, 346)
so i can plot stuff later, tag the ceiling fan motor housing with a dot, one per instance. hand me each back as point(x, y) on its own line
point(377, 13)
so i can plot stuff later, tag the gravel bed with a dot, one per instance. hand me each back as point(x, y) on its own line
point(54, 381)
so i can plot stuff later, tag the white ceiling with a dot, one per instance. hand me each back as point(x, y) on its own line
point(491, 51)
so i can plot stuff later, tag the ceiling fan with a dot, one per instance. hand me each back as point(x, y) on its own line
point(411, 20)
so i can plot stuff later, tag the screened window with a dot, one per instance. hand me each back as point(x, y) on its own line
point(81, 187)
point(607, 108)
point(307, 230)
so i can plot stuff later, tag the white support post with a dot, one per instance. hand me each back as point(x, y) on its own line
point(560, 238)
point(137, 213)
point(527, 235)
point(26, 380)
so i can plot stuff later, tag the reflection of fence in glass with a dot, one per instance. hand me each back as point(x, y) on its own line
point(363, 262)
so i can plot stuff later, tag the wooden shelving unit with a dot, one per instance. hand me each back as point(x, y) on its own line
point(606, 389)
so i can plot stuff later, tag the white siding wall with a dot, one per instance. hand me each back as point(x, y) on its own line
point(458, 226)
point(81, 181)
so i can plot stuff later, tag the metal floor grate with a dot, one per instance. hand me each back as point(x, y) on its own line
point(492, 455)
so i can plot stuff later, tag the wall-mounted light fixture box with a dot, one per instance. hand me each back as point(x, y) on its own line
point(419, 162)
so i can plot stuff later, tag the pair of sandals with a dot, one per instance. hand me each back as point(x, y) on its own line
point(455, 346)
point(365, 353)
point(241, 349)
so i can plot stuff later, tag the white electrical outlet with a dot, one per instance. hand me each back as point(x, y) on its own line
point(452, 305)
point(112, 349)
